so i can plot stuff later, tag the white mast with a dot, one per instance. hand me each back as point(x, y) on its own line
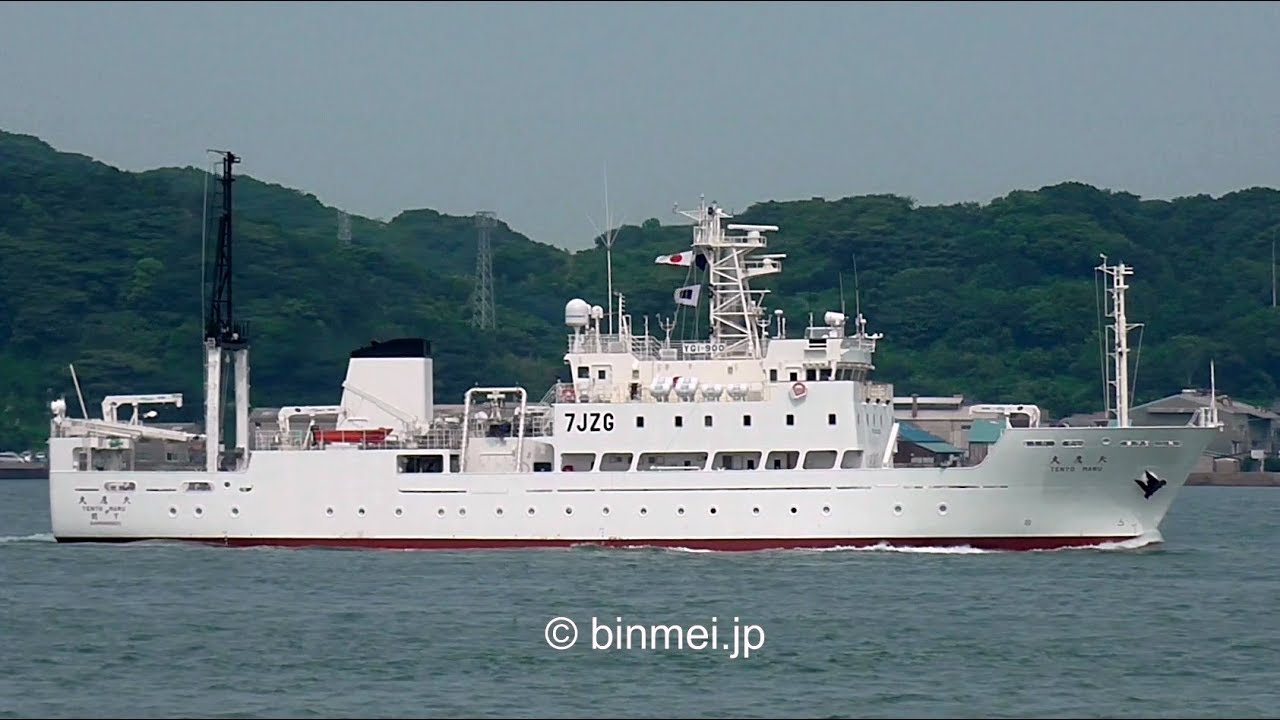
point(734, 307)
point(1120, 344)
point(1213, 396)
point(608, 246)
point(609, 236)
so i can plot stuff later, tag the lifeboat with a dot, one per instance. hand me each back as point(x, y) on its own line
point(364, 435)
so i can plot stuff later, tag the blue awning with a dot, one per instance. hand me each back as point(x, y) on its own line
point(928, 441)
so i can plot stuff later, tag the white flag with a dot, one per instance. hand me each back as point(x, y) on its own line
point(688, 295)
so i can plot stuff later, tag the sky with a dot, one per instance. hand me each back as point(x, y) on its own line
point(525, 109)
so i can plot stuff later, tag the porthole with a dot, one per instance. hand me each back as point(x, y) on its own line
point(755, 511)
point(942, 508)
point(462, 512)
point(605, 510)
point(360, 512)
point(680, 511)
point(173, 511)
point(328, 511)
point(235, 511)
point(440, 512)
point(568, 510)
point(531, 511)
point(399, 512)
point(199, 511)
point(826, 509)
point(499, 512)
point(793, 510)
point(713, 511)
point(897, 509)
point(644, 511)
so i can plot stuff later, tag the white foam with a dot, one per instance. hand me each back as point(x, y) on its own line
point(37, 537)
point(643, 546)
point(1148, 538)
point(1141, 541)
point(923, 549)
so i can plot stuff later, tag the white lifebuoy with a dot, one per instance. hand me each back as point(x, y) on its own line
point(798, 390)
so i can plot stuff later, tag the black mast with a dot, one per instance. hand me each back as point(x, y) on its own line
point(221, 326)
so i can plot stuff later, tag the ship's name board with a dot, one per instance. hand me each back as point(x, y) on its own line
point(104, 513)
point(588, 422)
point(702, 348)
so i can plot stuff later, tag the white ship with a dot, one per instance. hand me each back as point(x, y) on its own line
point(749, 440)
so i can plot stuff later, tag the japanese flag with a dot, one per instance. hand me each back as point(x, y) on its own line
point(684, 258)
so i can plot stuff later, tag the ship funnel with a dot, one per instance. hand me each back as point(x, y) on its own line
point(389, 385)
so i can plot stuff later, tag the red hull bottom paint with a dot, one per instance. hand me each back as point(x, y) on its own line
point(740, 545)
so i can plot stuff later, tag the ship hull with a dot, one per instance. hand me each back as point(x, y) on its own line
point(1106, 485)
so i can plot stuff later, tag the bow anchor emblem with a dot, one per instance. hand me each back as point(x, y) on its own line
point(1152, 484)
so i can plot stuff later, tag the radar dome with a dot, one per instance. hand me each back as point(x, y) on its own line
point(577, 313)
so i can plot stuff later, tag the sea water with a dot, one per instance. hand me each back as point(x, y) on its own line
point(1186, 628)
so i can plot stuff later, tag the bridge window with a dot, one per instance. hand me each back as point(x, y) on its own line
point(741, 460)
point(419, 463)
point(679, 421)
point(615, 461)
point(820, 459)
point(746, 421)
point(851, 459)
point(672, 461)
point(831, 418)
point(639, 421)
point(782, 460)
point(791, 419)
point(577, 462)
point(584, 372)
point(706, 421)
point(773, 374)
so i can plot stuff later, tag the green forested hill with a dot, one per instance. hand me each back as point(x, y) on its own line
point(102, 268)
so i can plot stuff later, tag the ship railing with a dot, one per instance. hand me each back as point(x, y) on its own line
point(644, 347)
point(606, 392)
point(436, 438)
point(553, 393)
point(443, 438)
point(861, 343)
point(647, 347)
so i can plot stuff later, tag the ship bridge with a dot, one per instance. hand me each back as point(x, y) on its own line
point(746, 355)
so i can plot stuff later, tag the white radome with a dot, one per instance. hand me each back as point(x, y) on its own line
point(577, 313)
